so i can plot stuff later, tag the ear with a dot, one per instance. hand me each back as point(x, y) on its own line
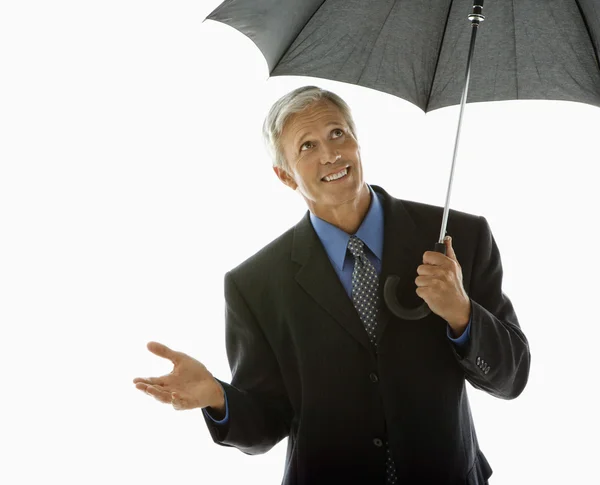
point(285, 178)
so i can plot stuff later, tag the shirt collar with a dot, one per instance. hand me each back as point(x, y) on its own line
point(335, 241)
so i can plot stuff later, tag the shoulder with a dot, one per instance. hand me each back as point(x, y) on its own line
point(266, 263)
point(469, 231)
point(423, 213)
point(420, 210)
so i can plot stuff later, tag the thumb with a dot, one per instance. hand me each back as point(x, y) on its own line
point(449, 249)
point(163, 351)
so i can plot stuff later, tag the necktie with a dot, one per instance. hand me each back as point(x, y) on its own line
point(365, 298)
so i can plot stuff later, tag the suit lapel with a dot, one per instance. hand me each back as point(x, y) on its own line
point(402, 254)
point(321, 282)
point(403, 248)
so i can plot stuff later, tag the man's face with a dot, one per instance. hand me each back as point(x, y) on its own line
point(317, 142)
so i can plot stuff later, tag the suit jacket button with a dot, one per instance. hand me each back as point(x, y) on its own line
point(373, 377)
point(378, 442)
point(487, 369)
point(478, 360)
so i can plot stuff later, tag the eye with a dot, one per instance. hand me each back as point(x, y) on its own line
point(332, 131)
point(304, 144)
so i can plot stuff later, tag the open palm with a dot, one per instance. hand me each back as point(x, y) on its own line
point(189, 385)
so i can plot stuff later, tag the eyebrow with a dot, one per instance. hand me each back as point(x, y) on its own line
point(331, 123)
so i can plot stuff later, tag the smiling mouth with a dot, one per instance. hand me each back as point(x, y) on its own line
point(347, 169)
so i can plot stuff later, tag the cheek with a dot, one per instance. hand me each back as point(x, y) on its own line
point(351, 145)
point(307, 172)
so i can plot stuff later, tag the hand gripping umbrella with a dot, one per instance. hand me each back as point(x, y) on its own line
point(414, 50)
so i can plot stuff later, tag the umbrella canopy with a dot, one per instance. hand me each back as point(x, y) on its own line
point(417, 51)
point(526, 49)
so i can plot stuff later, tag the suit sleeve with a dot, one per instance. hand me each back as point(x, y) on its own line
point(464, 338)
point(208, 410)
point(496, 358)
point(259, 410)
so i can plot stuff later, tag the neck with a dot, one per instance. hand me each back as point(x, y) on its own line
point(347, 216)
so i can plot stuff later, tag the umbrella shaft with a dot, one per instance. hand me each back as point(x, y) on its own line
point(475, 20)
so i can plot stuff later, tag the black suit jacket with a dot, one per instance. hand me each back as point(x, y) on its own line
point(302, 364)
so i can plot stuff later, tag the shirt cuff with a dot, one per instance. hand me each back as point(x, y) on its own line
point(226, 418)
point(464, 338)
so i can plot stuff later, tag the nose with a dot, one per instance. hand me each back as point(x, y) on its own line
point(330, 155)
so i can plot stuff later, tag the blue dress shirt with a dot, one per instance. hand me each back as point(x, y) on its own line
point(335, 241)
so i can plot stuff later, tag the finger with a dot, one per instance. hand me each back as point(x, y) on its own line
point(147, 388)
point(423, 281)
point(163, 351)
point(142, 386)
point(428, 270)
point(449, 249)
point(177, 402)
point(158, 393)
point(149, 380)
point(434, 258)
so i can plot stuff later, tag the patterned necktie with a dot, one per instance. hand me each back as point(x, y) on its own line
point(365, 282)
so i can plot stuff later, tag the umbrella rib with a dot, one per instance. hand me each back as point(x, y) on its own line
point(308, 46)
point(515, 44)
point(438, 56)
point(587, 29)
point(376, 39)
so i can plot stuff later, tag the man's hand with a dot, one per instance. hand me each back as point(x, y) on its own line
point(189, 385)
point(440, 284)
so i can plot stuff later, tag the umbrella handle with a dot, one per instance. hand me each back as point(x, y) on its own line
point(391, 299)
point(391, 282)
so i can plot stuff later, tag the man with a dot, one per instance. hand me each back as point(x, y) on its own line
point(316, 355)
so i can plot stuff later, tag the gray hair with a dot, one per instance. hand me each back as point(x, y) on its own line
point(294, 102)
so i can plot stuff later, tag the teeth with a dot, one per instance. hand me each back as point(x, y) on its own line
point(336, 176)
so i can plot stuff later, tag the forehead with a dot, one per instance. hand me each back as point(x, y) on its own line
point(301, 124)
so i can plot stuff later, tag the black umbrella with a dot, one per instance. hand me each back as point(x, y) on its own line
point(417, 50)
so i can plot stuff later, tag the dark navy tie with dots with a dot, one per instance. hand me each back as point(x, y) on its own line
point(366, 301)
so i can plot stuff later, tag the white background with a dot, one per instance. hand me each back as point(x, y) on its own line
point(133, 176)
